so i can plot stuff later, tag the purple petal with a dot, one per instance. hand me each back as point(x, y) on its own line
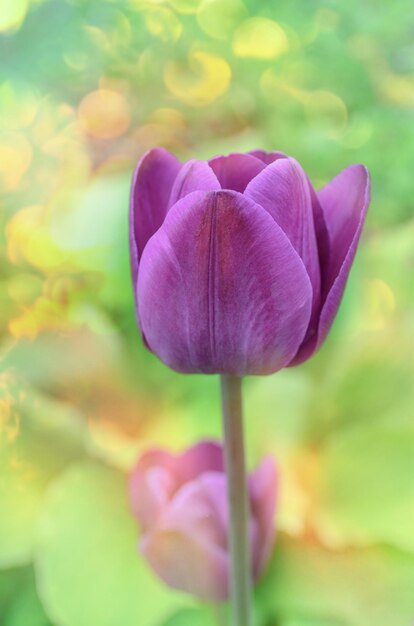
point(283, 190)
point(267, 157)
point(221, 289)
point(193, 176)
point(235, 171)
point(263, 489)
point(309, 343)
point(344, 202)
point(150, 193)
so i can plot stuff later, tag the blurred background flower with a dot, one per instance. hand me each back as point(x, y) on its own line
point(181, 505)
point(86, 87)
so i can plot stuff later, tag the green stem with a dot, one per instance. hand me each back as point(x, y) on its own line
point(240, 570)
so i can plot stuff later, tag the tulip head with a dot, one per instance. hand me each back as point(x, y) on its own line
point(238, 264)
point(181, 505)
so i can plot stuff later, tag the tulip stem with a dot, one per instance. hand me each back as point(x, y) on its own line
point(240, 569)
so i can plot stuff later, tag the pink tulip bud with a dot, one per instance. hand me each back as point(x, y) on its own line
point(181, 505)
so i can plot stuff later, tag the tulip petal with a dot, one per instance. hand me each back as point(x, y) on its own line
point(193, 176)
point(282, 189)
point(263, 496)
point(199, 507)
point(186, 564)
point(221, 289)
point(340, 209)
point(150, 193)
point(193, 532)
point(267, 157)
point(235, 171)
point(151, 485)
point(344, 202)
point(206, 456)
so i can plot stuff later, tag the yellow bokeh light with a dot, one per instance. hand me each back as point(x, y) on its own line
point(185, 6)
point(163, 23)
point(326, 108)
point(322, 108)
point(380, 305)
point(104, 114)
point(260, 38)
point(12, 14)
point(23, 288)
point(29, 238)
point(43, 315)
point(219, 19)
point(398, 89)
point(205, 79)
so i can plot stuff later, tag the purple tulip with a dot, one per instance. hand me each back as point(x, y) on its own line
point(238, 265)
point(181, 505)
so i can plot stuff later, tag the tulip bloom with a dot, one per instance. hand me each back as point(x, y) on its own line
point(238, 265)
point(181, 505)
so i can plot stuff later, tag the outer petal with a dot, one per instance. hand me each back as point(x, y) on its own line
point(150, 192)
point(186, 564)
point(206, 456)
point(221, 289)
point(344, 202)
point(193, 176)
point(268, 157)
point(283, 190)
point(263, 490)
point(189, 546)
point(151, 485)
point(235, 171)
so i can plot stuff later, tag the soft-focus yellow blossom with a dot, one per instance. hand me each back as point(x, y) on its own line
point(15, 158)
point(163, 23)
point(104, 114)
point(12, 13)
point(204, 79)
point(260, 38)
point(219, 19)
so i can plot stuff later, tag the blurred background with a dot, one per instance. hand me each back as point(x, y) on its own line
point(86, 87)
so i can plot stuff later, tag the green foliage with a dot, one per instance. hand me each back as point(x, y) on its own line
point(87, 563)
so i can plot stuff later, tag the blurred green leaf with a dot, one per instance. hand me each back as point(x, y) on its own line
point(193, 617)
point(307, 584)
point(87, 565)
point(38, 438)
point(366, 486)
point(25, 608)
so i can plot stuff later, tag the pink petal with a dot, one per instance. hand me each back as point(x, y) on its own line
point(206, 456)
point(235, 171)
point(193, 176)
point(221, 289)
point(151, 485)
point(188, 549)
point(186, 564)
point(150, 192)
